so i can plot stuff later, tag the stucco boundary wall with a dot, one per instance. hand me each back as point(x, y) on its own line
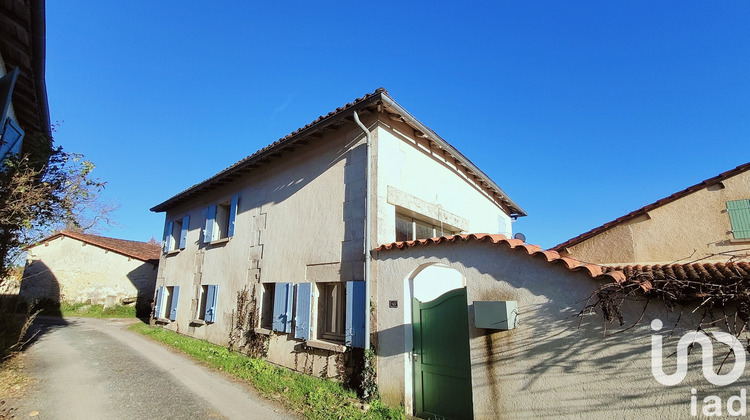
point(549, 366)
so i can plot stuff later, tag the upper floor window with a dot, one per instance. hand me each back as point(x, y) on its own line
point(175, 234)
point(739, 216)
point(220, 220)
point(409, 228)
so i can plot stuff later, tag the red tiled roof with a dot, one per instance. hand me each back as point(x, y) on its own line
point(133, 249)
point(594, 271)
point(332, 119)
point(641, 275)
point(711, 272)
point(645, 209)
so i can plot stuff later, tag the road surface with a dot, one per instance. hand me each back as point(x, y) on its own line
point(86, 368)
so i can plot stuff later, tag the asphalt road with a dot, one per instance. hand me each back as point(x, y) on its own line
point(96, 369)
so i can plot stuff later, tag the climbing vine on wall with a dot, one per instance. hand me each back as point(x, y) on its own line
point(719, 293)
point(244, 318)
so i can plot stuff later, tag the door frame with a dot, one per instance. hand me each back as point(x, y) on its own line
point(408, 294)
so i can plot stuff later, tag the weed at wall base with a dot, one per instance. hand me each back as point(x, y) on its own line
point(315, 397)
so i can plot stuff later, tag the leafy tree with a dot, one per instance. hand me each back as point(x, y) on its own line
point(38, 195)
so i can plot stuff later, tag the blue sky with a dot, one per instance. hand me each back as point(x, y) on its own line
point(580, 111)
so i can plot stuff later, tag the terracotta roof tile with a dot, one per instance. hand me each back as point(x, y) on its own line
point(133, 249)
point(710, 272)
point(551, 257)
point(645, 209)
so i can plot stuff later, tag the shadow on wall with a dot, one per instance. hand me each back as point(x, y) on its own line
point(555, 355)
point(40, 289)
point(143, 279)
point(17, 311)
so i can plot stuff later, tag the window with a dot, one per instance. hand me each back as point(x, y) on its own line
point(739, 217)
point(331, 311)
point(207, 303)
point(167, 298)
point(409, 229)
point(220, 220)
point(175, 234)
point(339, 312)
point(266, 314)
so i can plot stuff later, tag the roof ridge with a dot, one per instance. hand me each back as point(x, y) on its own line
point(656, 204)
point(133, 249)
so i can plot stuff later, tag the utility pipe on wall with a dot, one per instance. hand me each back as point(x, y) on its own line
point(367, 233)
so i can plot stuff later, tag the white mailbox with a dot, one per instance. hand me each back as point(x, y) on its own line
point(496, 315)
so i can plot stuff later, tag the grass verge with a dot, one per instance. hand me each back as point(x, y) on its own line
point(96, 311)
point(315, 397)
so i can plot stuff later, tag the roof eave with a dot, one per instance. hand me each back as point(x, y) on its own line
point(39, 45)
point(380, 96)
point(516, 210)
point(271, 150)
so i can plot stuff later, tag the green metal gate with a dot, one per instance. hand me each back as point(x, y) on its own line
point(442, 365)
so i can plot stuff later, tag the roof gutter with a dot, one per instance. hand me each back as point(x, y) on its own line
point(516, 210)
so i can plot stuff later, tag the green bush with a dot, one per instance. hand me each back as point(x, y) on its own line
point(96, 311)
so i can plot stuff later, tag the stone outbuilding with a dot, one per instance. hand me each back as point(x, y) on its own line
point(77, 267)
point(706, 222)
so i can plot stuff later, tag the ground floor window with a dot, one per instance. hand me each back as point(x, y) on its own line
point(207, 302)
point(266, 308)
point(332, 311)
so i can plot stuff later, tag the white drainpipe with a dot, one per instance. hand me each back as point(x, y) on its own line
point(367, 234)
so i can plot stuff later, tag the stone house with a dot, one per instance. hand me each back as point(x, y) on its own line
point(353, 232)
point(285, 233)
point(708, 222)
point(77, 267)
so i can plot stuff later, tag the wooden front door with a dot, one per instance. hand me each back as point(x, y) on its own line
point(442, 365)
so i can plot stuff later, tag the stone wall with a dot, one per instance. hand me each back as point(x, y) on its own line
point(66, 269)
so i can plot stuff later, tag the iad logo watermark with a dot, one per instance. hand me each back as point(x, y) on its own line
point(712, 403)
point(707, 350)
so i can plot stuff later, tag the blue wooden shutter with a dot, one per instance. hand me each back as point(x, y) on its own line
point(175, 299)
point(157, 305)
point(282, 307)
point(6, 94)
point(11, 138)
point(355, 313)
point(184, 232)
point(739, 216)
point(233, 214)
point(167, 236)
point(212, 293)
point(208, 233)
point(302, 325)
